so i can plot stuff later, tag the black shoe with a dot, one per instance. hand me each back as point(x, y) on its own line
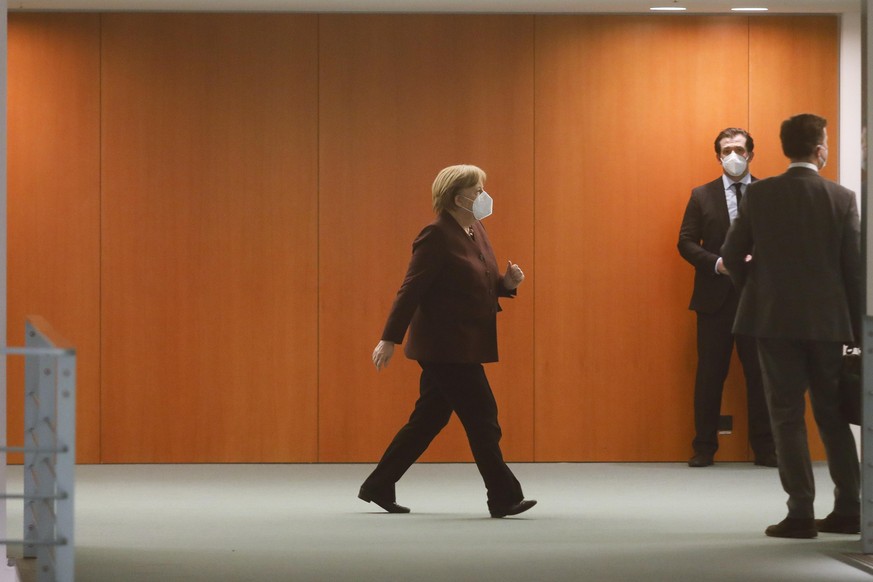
point(387, 504)
point(700, 460)
point(844, 524)
point(519, 507)
point(793, 527)
point(767, 460)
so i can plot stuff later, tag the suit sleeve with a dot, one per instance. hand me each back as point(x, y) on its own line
point(690, 235)
point(738, 243)
point(428, 257)
point(850, 257)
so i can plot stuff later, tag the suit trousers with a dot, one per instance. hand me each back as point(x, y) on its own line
point(715, 345)
point(789, 367)
point(447, 388)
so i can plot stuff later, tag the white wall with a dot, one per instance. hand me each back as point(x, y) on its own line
point(850, 102)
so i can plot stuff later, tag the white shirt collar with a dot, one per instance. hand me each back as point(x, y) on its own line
point(806, 165)
point(729, 182)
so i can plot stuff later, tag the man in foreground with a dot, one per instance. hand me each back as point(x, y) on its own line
point(794, 251)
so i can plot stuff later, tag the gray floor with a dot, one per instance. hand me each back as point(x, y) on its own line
point(660, 521)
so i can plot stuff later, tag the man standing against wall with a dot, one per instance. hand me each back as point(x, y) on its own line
point(708, 215)
point(801, 298)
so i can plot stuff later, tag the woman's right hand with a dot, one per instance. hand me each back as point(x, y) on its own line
point(382, 354)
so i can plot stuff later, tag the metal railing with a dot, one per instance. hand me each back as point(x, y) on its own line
point(49, 450)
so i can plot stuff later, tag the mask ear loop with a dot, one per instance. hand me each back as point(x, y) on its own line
point(455, 195)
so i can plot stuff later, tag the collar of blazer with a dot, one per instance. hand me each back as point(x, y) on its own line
point(448, 223)
point(801, 171)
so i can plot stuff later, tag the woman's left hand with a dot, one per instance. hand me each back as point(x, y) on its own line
point(513, 276)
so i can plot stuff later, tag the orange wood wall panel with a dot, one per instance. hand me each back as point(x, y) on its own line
point(637, 102)
point(225, 205)
point(627, 111)
point(209, 251)
point(793, 68)
point(402, 97)
point(54, 201)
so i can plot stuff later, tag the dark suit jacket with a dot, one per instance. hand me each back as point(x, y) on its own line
point(701, 235)
point(804, 281)
point(448, 299)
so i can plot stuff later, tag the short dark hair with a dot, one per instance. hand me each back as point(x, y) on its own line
point(801, 134)
point(734, 132)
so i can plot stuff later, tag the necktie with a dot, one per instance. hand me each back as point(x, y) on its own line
point(738, 187)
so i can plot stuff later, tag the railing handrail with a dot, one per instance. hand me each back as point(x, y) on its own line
point(22, 351)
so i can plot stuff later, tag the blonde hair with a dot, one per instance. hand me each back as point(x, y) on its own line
point(452, 179)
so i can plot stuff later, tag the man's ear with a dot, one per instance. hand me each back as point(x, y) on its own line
point(751, 155)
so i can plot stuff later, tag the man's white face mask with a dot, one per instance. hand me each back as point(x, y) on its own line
point(734, 165)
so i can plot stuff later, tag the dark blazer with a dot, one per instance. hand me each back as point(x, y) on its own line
point(448, 299)
point(804, 281)
point(701, 235)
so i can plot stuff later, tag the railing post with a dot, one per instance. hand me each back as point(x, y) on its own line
point(43, 469)
point(65, 466)
point(31, 419)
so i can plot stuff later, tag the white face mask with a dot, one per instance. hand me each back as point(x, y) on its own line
point(734, 165)
point(483, 205)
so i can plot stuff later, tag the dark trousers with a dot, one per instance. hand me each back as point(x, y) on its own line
point(447, 388)
point(789, 367)
point(715, 344)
